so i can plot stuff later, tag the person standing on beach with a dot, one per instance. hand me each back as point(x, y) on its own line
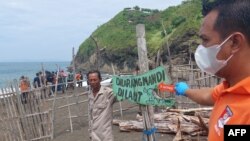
point(62, 80)
point(36, 81)
point(100, 105)
point(24, 87)
point(224, 52)
point(70, 80)
point(79, 78)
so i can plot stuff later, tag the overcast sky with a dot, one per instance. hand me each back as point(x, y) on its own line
point(46, 30)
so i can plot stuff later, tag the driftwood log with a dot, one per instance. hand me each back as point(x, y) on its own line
point(169, 122)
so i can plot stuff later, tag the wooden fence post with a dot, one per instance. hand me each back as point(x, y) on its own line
point(148, 112)
point(54, 106)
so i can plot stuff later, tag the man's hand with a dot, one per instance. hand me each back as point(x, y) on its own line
point(181, 88)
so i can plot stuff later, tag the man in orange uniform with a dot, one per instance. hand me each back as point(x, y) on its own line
point(224, 52)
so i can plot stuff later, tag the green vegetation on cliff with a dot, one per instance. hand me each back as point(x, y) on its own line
point(118, 36)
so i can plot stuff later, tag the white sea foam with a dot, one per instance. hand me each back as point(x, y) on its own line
point(5, 92)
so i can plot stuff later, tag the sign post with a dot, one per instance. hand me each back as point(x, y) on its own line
point(148, 111)
point(142, 88)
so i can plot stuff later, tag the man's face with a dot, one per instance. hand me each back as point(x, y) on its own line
point(94, 81)
point(209, 37)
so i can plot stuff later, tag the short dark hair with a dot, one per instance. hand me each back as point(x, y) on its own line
point(94, 71)
point(233, 16)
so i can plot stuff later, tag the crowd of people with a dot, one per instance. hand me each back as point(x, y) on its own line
point(49, 79)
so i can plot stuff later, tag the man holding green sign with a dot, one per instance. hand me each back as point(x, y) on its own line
point(138, 89)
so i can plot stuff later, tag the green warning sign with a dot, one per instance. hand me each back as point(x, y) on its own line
point(141, 88)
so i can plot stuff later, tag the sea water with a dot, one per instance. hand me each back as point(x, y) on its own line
point(14, 70)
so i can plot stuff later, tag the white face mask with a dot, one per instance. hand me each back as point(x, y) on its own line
point(206, 60)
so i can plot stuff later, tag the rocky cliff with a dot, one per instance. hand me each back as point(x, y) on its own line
point(114, 43)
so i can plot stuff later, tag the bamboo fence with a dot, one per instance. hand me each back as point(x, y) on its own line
point(21, 121)
point(33, 120)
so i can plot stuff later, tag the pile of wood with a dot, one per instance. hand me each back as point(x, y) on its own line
point(172, 121)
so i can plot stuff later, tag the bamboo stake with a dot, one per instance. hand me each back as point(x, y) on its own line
point(22, 133)
point(143, 62)
point(62, 97)
point(39, 117)
point(42, 119)
point(8, 116)
point(31, 125)
point(48, 117)
point(71, 104)
point(74, 70)
point(12, 124)
point(28, 110)
point(70, 119)
point(22, 111)
point(39, 138)
point(54, 102)
point(120, 103)
point(34, 107)
point(15, 114)
point(43, 73)
point(4, 104)
point(75, 92)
